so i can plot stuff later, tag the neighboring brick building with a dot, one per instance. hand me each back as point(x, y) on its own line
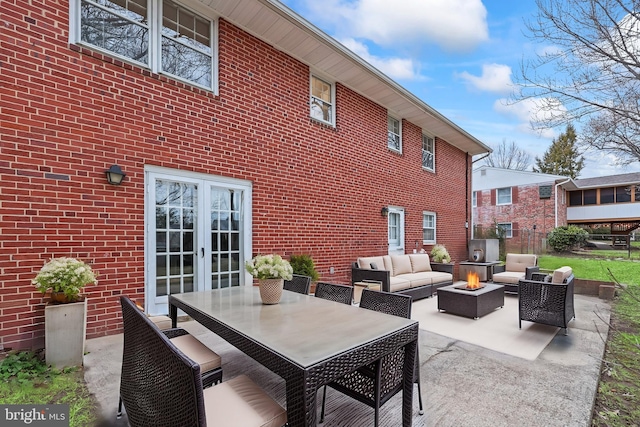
point(518, 201)
point(239, 135)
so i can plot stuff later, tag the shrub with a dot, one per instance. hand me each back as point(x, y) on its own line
point(304, 265)
point(567, 237)
point(440, 254)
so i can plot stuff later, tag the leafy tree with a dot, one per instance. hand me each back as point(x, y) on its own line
point(508, 157)
point(562, 157)
point(589, 67)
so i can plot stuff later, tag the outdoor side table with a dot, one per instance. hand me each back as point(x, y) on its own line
point(374, 285)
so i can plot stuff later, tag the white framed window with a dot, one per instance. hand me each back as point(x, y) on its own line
point(474, 199)
point(394, 134)
point(428, 153)
point(507, 228)
point(428, 227)
point(322, 100)
point(503, 196)
point(161, 35)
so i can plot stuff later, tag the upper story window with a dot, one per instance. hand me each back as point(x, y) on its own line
point(607, 195)
point(428, 227)
point(428, 153)
point(590, 197)
point(177, 42)
point(394, 136)
point(503, 196)
point(322, 105)
point(474, 199)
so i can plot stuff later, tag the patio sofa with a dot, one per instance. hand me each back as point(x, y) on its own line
point(410, 274)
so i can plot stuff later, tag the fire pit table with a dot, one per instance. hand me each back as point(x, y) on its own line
point(474, 303)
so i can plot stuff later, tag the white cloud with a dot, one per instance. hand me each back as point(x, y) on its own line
point(495, 78)
point(396, 68)
point(530, 111)
point(454, 25)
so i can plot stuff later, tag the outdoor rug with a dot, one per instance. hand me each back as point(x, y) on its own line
point(497, 331)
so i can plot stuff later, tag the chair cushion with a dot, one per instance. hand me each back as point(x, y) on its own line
point(365, 263)
point(162, 322)
point(520, 262)
point(418, 279)
point(397, 284)
point(512, 277)
point(420, 262)
point(560, 274)
point(239, 402)
point(401, 264)
point(441, 277)
point(198, 352)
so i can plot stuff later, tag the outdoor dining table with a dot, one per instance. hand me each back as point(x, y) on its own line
point(307, 341)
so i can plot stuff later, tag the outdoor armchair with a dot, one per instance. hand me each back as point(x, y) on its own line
point(298, 283)
point(161, 386)
point(334, 292)
point(379, 381)
point(548, 299)
point(516, 267)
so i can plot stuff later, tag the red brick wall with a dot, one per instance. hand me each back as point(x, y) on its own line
point(68, 113)
point(526, 210)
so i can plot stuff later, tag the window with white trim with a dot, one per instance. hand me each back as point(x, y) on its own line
point(507, 228)
point(428, 227)
point(428, 153)
point(474, 199)
point(394, 134)
point(321, 103)
point(503, 196)
point(161, 35)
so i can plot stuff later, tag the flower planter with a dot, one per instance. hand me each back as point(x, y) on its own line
point(65, 327)
point(271, 290)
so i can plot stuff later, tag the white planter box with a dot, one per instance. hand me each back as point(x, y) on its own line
point(65, 329)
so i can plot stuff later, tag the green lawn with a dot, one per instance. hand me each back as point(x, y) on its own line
point(625, 271)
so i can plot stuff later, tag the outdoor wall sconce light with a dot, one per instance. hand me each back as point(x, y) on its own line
point(384, 212)
point(115, 175)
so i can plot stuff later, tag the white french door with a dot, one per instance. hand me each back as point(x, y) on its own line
point(198, 229)
point(396, 231)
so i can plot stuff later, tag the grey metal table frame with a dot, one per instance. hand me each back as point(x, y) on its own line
point(474, 304)
point(293, 340)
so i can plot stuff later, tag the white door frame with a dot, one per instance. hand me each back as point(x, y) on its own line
point(396, 212)
point(155, 305)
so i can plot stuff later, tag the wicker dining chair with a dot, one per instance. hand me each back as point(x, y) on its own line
point(298, 283)
point(210, 362)
point(334, 292)
point(160, 385)
point(379, 381)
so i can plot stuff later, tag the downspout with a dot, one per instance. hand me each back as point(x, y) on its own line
point(556, 200)
point(467, 184)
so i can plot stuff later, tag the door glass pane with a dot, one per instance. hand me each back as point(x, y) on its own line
point(226, 214)
point(176, 247)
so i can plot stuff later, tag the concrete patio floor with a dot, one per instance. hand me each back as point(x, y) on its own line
point(462, 384)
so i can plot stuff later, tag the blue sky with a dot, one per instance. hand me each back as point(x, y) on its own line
point(458, 56)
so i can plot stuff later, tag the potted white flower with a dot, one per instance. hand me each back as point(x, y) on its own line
point(65, 316)
point(271, 271)
point(440, 254)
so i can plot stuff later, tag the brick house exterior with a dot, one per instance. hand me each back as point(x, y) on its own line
point(69, 111)
point(532, 202)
